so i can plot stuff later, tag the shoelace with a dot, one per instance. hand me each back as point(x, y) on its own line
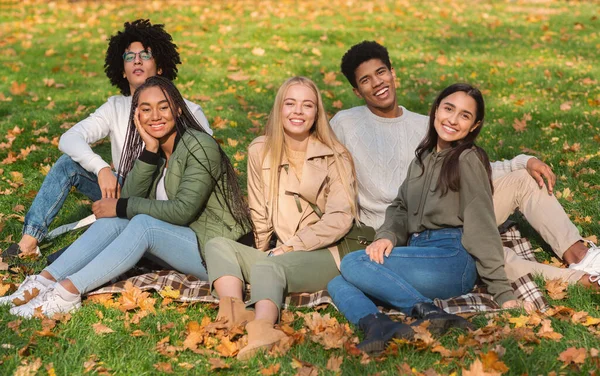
point(594, 278)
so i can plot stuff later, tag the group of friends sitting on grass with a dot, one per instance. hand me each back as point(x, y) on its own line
point(421, 182)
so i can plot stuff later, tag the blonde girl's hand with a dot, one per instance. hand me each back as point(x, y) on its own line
point(150, 142)
point(378, 249)
point(517, 303)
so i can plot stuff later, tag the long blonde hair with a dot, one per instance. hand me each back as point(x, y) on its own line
point(321, 130)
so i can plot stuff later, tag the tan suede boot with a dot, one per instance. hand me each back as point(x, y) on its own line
point(233, 312)
point(261, 335)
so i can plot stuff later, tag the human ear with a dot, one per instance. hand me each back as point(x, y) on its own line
point(159, 71)
point(357, 93)
point(474, 126)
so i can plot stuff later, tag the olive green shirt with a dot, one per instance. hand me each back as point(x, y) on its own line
point(420, 206)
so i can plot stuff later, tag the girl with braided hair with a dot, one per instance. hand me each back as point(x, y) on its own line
point(179, 191)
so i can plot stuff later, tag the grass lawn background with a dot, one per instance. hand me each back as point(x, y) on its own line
point(535, 61)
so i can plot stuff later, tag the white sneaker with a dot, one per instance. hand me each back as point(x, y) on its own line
point(30, 284)
point(590, 262)
point(48, 303)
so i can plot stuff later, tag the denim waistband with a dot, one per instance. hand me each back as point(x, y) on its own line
point(431, 234)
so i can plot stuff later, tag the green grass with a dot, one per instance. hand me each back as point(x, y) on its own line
point(529, 57)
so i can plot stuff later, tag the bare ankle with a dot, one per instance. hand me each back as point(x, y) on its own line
point(575, 253)
point(587, 281)
point(47, 275)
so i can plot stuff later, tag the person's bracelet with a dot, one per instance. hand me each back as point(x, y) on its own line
point(270, 254)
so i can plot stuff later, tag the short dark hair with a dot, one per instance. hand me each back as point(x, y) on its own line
point(358, 54)
point(160, 42)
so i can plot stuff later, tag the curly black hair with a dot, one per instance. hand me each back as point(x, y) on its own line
point(358, 54)
point(160, 42)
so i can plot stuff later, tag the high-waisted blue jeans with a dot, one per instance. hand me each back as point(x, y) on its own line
point(111, 246)
point(433, 265)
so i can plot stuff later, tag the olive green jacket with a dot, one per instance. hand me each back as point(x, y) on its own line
point(420, 206)
point(191, 185)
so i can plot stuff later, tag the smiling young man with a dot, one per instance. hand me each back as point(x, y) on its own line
point(140, 51)
point(382, 137)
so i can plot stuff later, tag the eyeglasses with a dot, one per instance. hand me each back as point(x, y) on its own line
point(130, 56)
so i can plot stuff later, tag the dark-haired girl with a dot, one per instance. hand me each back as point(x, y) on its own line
point(180, 190)
point(439, 233)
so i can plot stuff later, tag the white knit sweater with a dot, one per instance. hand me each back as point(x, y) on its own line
point(382, 149)
point(111, 119)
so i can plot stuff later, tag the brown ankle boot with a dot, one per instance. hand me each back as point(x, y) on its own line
point(261, 335)
point(233, 312)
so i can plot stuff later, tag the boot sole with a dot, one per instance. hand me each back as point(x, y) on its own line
point(372, 347)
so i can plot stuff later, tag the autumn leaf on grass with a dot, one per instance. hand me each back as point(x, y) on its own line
point(477, 369)
point(227, 348)
point(100, 328)
point(329, 78)
point(337, 104)
point(520, 321)
point(194, 335)
point(304, 368)
point(557, 288)
point(104, 299)
point(326, 330)
point(566, 106)
point(546, 331)
point(491, 362)
point(29, 369)
point(3, 288)
point(591, 321)
point(239, 156)
point(219, 123)
point(238, 76)
point(520, 124)
point(573, 355)
point(217, 363)
point(273, 369)
point(17, 88)
point(47, 326)
point(257, 51)
point(163, 367)
point(334, 363)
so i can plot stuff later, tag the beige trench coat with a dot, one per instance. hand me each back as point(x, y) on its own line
point(294, 221)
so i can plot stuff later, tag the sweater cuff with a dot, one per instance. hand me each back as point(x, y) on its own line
point(122, 207)
point(386, 235)
point(149, 157)
point(519, 162)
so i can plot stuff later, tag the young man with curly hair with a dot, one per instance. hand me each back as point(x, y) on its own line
point(140, 51)
point(382, 137)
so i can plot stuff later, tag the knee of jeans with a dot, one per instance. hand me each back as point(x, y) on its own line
point(143, 220)
point(64, 164)
point(334, 285)
point(350, 260)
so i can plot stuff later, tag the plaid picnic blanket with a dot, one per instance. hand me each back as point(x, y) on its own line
point(193, 289)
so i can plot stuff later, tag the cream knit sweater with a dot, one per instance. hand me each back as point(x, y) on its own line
point(382, 149)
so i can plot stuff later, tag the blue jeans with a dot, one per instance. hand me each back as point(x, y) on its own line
point(111, 246)
point(63, 175)
point(433, 265)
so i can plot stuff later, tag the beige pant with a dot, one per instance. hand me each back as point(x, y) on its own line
point(271, 278)
point(518, 190)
